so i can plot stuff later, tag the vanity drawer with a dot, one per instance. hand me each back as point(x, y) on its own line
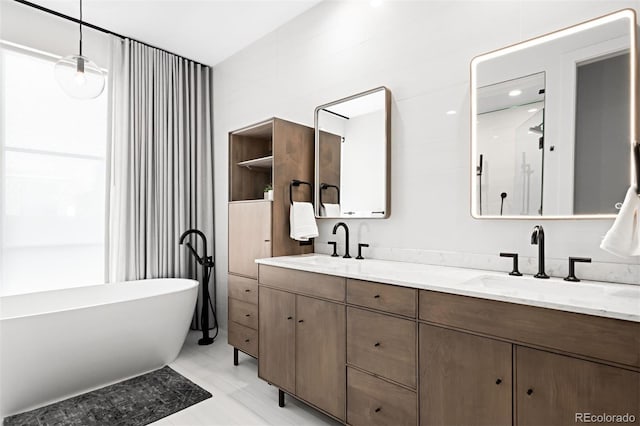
point(389, 298)
point(243, 313)
point(242, 288)
point(382, 344)
point(301, 282)
point(373, 401)
point(598, 337)
point(243, 338)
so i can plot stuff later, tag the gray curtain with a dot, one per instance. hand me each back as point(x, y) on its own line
point(161, 164)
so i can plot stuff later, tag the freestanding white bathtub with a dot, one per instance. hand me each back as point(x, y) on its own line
point(60, 343)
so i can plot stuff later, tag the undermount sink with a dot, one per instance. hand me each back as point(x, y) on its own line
point(318, 260)
point(549, 289)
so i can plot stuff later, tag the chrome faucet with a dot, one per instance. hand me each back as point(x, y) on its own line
point(538, 238)
point(346, 234)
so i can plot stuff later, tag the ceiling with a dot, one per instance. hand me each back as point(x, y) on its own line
point(207, 31)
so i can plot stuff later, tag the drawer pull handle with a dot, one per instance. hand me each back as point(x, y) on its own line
point(498, 381)
point(289, 317)
point(247, 340)
point(377, 296)
point(300, 320)
point(378, 409)
point(377, 344)
point(247, 315)
point(529, 391)
point(247, 290)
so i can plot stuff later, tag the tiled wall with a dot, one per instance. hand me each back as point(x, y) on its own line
point(421, 51)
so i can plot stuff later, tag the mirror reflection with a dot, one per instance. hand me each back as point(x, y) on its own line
point(352, 145)
point(553, 122)
point(510, 133)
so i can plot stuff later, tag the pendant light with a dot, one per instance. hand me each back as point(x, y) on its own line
point(78, 76)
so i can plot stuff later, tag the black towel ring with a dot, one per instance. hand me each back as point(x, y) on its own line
point(297, 182)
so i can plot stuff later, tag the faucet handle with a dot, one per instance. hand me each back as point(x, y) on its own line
point(572, 268)
point(515, 272)
point(360, 245)
point(335, 249)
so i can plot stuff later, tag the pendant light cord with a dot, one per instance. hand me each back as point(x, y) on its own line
point(80, 27)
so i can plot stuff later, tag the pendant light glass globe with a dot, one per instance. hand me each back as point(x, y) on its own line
point(79, 77)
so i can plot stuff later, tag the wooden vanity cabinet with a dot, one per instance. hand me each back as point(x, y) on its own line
point(373, 354)
point(381, 355)
point(552, 389)
point(320, 354)
point(469, 344)
point(302, 340)
point(464, 379)
point(277, 357)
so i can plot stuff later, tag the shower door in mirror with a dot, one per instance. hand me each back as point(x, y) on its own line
point(553, 122)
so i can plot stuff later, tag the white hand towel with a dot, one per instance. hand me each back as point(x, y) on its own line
point(623, 239)
point(302, 222)
point(331, 210)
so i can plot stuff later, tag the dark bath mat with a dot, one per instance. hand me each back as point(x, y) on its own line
point(134, 402)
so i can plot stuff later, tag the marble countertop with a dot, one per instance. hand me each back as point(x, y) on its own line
point(620, 301)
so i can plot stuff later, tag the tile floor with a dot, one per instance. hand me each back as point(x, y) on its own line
point(239, 396)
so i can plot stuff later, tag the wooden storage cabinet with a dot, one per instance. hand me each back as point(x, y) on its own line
point(277, 358)
point(464, 379)
point(617, 341)
point(373, 401)
point(548, 388)
point(249, 236)
point(551, 389)
point(243, 338)
point(382, 344)
point(301, 282)
point(302, 347)
point(320, 354)
point(272, 152)
point(383, 297)
point(443, 360)
point(244, 289)
point(243, 313)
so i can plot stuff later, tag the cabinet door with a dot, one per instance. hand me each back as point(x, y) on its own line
point(320, 354)
point(464, 379)
point(249, 236)
point(276, 363)
point(554, 389)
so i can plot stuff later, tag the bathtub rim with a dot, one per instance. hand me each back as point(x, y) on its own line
point(193, 284)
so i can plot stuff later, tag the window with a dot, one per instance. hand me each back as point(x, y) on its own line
point(53, 149)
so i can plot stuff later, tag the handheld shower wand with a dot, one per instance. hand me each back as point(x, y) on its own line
point(207, 264)
point(479, 174)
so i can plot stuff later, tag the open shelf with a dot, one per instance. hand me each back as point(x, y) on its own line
point(258, 163)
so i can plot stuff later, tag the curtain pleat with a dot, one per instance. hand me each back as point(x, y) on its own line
point(161, 165)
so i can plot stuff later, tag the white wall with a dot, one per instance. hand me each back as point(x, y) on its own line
point(421, 51)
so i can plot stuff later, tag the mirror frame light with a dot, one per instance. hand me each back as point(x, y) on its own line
point(387, 126)
point(634, 95)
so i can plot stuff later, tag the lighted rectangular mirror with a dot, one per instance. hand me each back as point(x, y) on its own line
point(352, 143)
point(553, 120)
